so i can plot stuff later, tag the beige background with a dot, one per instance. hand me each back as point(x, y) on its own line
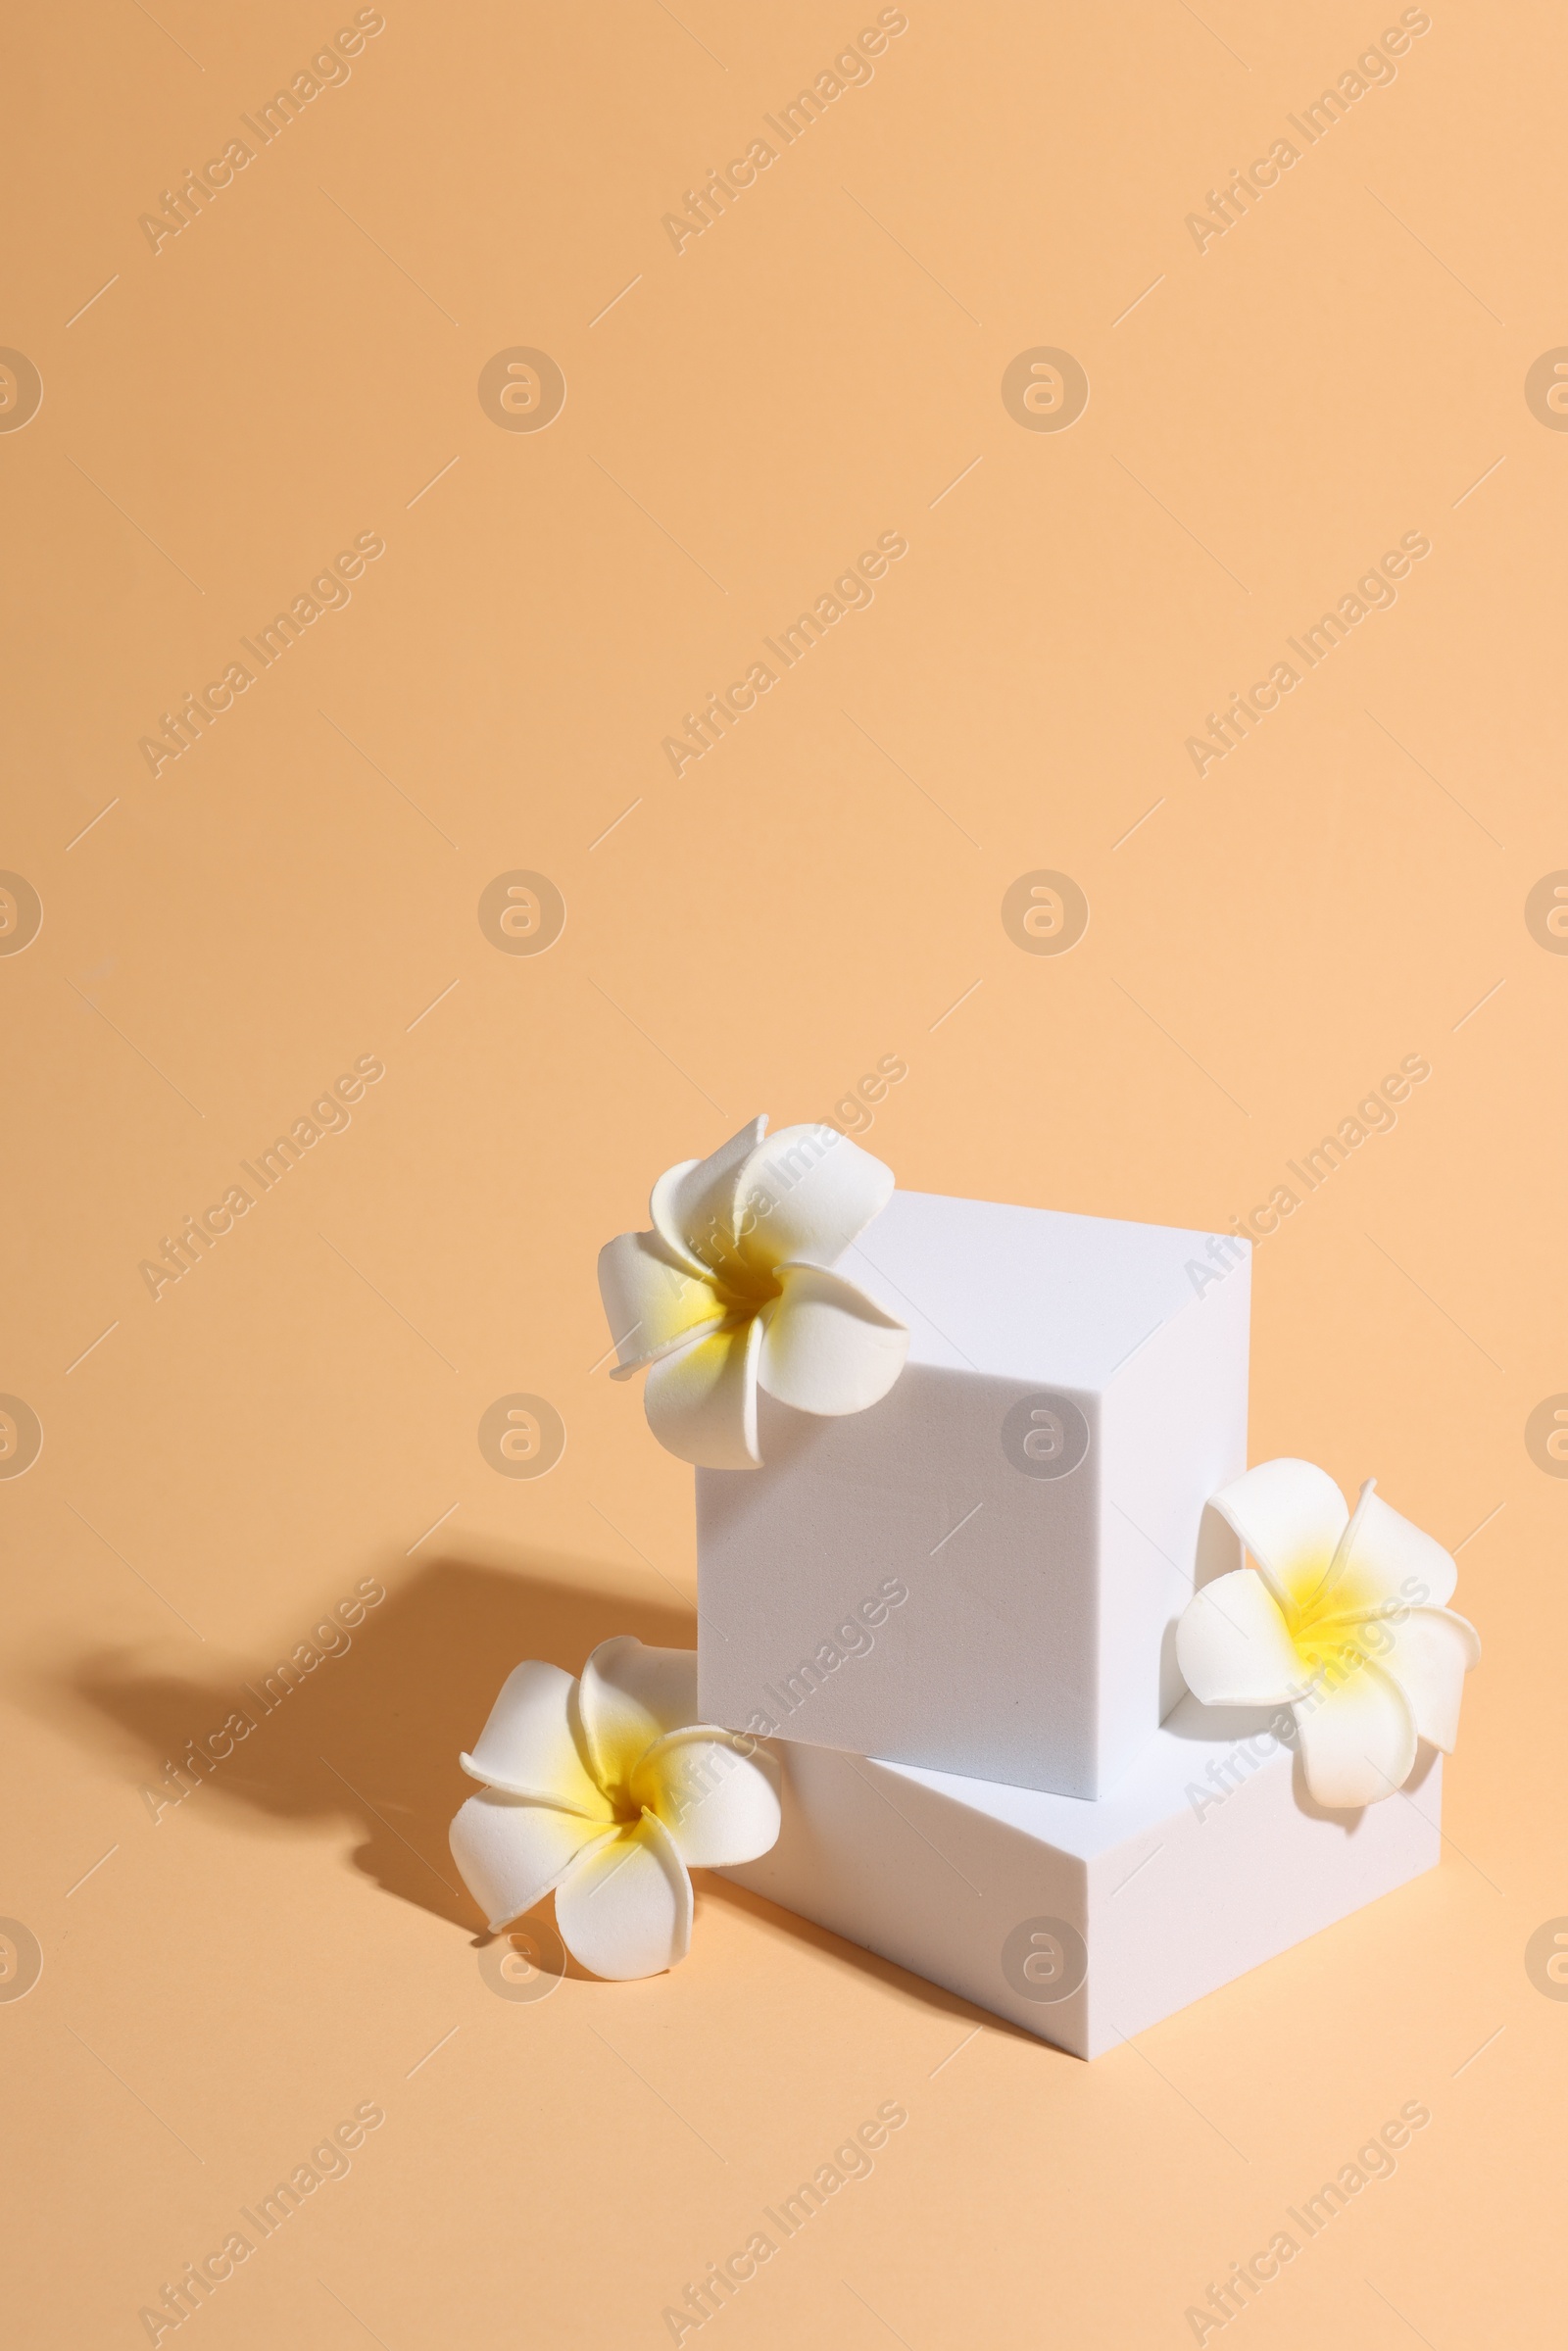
point(225, 1982)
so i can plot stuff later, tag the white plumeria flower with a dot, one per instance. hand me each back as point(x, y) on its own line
point(731, 1290)
point(605, 1791)
point(1344, 1620)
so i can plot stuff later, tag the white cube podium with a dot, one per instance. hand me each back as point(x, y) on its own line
point(1086, 1922)
point(982, 1573)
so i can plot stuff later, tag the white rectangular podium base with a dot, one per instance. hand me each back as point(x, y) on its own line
point(1086, 1922)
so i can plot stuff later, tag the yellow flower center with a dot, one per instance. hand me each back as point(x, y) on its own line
point(616, 1776)
point(742, 1283)
point(1315, 1611)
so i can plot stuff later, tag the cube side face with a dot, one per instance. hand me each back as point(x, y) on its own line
point(904, 1582)
point(1173, 1433)
point(1223, 1885)
point(954, 1896)
point(1217, 1860)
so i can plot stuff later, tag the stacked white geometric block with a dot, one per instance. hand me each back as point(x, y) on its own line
point(1034, 1485)
point(953, 1616)
point(1086, 1923)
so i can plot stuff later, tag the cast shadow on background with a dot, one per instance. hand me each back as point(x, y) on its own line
point(362, 1720)
point(370, 1733)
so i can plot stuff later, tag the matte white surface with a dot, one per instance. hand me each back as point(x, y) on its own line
point(1035, 1644)
point(1030, 1295)
point(1173, 1894)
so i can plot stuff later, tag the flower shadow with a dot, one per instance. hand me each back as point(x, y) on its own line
point(371, 1735)
point(371, 1731)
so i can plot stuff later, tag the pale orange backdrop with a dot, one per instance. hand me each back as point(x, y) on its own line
point(224, 409)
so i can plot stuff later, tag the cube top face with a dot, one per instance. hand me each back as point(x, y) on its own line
point(981, 1573)
point(1031, 1294)
point(1199, 1751)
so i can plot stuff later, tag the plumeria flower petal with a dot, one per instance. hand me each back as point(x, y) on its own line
point(655, 1303)
point(1429, 1656)
point(1358, 1743)
point(692, 1781)
point(510, 1853)
point(1289, 1514)
point(605, 1791)
point(1234, 1646)
point(1343, 1619)
point(631, 1696)
point(801, 1197)
point(626, 1910)
point(700, 1402)
point(534, 1745)
point(826, 1347)
point(1391, 1557)
point(692, 1205)
point(731, 1289)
